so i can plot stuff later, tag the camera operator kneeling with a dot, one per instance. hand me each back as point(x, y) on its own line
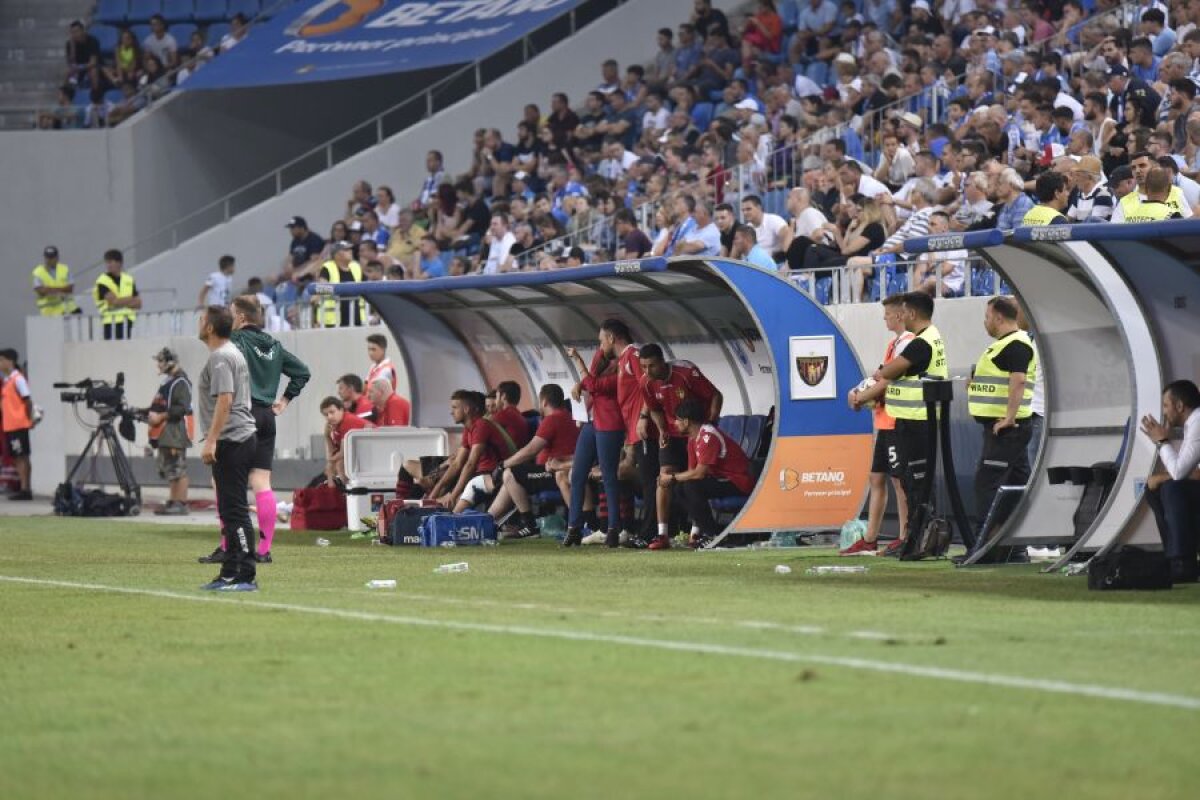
point(717, 467)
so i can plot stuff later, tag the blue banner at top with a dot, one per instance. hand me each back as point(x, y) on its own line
point(325, 40)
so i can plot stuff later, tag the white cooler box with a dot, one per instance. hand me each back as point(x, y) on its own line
point(373, 459)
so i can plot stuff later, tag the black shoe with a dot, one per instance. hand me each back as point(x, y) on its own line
point(1184, 571)
point(636, 542)
point(612, 538)
point(574, 538)
point(25, 495)
point(217, 556)
point(264, 558)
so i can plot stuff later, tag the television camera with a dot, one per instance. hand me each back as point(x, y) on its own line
point(107, 400)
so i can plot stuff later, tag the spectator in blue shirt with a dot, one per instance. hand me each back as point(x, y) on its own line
point(747, 248)
point(1014, 203)
point(430, 261)
point(1142, 61)
point(683, 226)
point(1154, 26)
point(705, 239)
point(687, 52)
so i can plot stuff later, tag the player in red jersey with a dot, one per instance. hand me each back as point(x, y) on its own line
point(664, 387)
point(508, 415)
point(338, 422)
point(717, 467)
point(484, 445)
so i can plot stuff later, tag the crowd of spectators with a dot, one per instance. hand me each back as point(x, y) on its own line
point(813, 134)
point(120, 83)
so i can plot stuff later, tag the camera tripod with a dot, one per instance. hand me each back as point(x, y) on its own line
point(105, 435)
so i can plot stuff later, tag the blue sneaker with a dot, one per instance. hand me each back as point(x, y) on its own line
point(217, 584)
point(246, 586)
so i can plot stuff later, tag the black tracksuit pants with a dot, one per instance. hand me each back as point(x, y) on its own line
point(231, 474)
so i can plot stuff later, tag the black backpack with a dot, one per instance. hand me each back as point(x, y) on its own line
point(1129, 568)
point(68, 500)
point(933, 542)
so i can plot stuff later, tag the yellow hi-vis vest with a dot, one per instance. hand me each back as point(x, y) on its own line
point(1175, 202)
point(330, 316)
point(1040, 215)
point(987, 393)
point(1148, 211)
point(54, 305)
point(905, 395)
point(124, 289)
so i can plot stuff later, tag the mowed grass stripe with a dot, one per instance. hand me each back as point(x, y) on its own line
point(1119, 694)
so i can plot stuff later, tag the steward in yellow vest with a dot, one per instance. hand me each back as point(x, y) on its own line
point(1173, 199)
point(337, 311)
point(923, 356)
point(1000, 397)
point(1053, 196)
point(53, 287)
point(1157, 205)
point(116, 297)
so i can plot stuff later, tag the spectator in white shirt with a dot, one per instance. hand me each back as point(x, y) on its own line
point(218, 288)
point(1174, 494)
point(238, 28)
point(896, 163)
point(771, 231)
point(850, 175)
point(657, 115)
point(805, 218)
point(500, 241)
point(161, 44)
point(386, 207)
point(617, 160)
point(1091, 201)
point(949, 264)
point(436, 177)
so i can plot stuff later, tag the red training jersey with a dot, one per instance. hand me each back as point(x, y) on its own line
point(683, 381)
point(396, 412)
point(349, 423)
point(601, 384)
point(495, 449)
point(724, 458)
point(559, 431)
point(514, 423)
point(361, 407)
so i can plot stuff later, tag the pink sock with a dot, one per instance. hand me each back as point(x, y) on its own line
point(267, 513)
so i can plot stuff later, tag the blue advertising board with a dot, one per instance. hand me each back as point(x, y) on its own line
point(324, 40)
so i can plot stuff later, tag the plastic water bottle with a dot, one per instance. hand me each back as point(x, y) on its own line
point(783, 569)
point(386, 583)
point(489, 543)
point(448, 544)
point(835, 571)
point(446, 569)
point(322, 542)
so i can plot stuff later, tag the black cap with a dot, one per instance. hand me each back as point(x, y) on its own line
point(50, 252)
point(166, 356)
point(342, 245)
point(1121, 173)
point(10, 354)
point(296, 222)
point(1117, 71)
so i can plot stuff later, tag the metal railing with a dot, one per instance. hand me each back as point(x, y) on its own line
point(458, 85)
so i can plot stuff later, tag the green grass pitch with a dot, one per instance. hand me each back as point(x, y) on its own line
point(543, 673)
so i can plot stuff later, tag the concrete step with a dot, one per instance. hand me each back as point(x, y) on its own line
point(27, 98)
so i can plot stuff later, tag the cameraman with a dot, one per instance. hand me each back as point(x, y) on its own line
point(170, 419)
point(16, 408)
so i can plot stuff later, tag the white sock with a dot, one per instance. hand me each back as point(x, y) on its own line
point(662, 529)
point(695, 530)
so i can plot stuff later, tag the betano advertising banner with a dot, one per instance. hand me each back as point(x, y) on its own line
point(325, 40)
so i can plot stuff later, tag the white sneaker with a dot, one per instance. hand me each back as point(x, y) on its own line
point(594, 538)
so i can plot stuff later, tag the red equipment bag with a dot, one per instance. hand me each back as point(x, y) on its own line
point(319, 508)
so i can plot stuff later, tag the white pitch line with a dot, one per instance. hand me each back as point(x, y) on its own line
point(872, 665)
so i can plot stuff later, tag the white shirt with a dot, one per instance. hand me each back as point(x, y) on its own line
point(808, 221)
point(161, 48)
point(390, 218)
point(220, 289)
point(953, 281)
point(1180, 459)
point(656, 120)
point(869, 187)
point(498, 253)
point(768, 231)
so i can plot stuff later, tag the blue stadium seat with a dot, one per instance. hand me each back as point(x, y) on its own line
point(114, 96)
point(249, 8)
point(775, 202)
point(140, 32)
point(178, 11)
point(789, 13)
point(533, 419)
point(727, 505)
point(756, 429)
point(733, 425)
point(143, 10)
point(183, 33)
point(824, 292)
point(111, 12)
point(211, 10)
point(106, 35)
point(983, 281)
point(216, 33)
point(702, 114)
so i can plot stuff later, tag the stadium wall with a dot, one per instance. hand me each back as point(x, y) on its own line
point(325, 351)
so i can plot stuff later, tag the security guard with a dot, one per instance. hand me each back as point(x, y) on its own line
point(924, 356)
point(340, 268)
point(1133, 100)
point(1053, 196)
point(53, 287)
point(1155, 207)
point(116, 297)
point(1140, 163)
point(1000, 398)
